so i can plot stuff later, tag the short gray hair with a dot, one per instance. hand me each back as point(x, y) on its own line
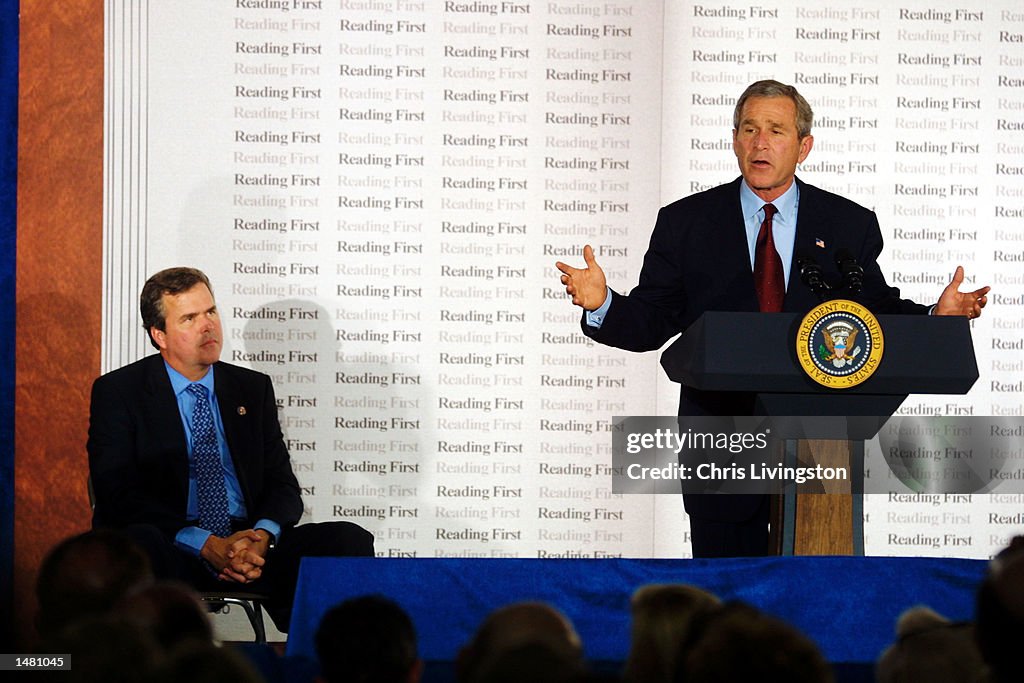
point(804, 115)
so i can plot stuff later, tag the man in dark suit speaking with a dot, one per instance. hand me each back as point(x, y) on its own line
point(186, 456)
point(731, 248)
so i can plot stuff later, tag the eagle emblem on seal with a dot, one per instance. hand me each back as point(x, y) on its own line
point(839, 348)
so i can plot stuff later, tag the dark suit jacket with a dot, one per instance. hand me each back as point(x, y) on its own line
point(138, 457)
point(698, 261)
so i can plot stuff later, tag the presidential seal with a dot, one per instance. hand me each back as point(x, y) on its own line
point(839, 344)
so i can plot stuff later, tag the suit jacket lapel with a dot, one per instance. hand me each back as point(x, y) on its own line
point(737, 248)
point(235, 416)
point(812, 224)
point(737, 234)
point(165, 418)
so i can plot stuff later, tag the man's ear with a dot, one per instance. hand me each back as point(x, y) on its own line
point(806, 143)
point(158, 336)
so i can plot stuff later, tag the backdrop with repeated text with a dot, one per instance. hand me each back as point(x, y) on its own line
point(379, 189)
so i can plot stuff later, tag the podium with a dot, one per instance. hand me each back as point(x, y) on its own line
point(756, 353)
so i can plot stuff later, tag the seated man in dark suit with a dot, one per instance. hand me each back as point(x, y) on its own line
point(187, 457)
point(731, 248)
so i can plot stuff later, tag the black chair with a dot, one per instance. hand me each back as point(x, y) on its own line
point(251, 604)
point(221, 601)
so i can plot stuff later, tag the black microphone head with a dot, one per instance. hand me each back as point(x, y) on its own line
point(844, 258)
point(804, 259)
point(810, 273)
point(852, 272)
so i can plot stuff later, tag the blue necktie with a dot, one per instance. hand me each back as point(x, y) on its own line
point(211, 491)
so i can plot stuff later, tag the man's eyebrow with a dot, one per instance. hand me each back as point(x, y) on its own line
point(192, 314)
point(770, 123)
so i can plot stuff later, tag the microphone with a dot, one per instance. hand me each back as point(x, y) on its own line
point(853, 274)
point(810, 274)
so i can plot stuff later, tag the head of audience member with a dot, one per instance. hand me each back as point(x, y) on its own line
point(198, 662)
point(930, 649)
point(771, 135)
point(534, 662)
point(105, 648)
point(999, 615)
point(86, 575)
point(737, 642)
point(662, 618)
point(535, 627)
point(368, 639)
point(170, 611)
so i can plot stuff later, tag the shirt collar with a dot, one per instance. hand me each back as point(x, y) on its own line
point(786, 204)
point(179, 382)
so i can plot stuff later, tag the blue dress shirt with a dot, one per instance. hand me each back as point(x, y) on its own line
point(192, 538)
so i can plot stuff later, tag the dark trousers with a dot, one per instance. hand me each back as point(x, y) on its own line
point(280, 573)
point(745, 538)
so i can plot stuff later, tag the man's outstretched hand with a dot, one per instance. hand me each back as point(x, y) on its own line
point(586, 286)
point(954, 302)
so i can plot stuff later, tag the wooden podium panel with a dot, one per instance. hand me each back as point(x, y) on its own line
point(824, 522)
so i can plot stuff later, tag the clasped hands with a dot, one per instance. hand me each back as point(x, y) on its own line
point(239, 557)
